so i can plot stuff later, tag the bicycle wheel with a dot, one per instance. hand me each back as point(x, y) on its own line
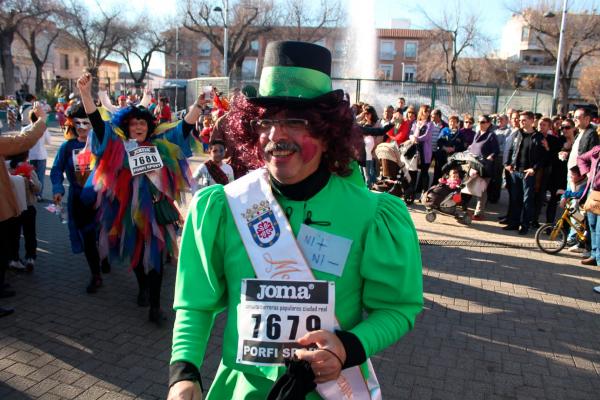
point(551, 238)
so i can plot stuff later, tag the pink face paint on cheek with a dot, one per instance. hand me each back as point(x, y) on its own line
point(308, 148)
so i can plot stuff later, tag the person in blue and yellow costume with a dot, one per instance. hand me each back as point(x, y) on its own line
point(140, 172)
point(300, 137)
point(73, 161)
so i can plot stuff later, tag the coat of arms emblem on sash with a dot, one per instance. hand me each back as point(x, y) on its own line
point(262, 224)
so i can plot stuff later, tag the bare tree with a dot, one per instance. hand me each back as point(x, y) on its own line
point(455, 31)
point(99, 36)
point(432, 66)
point(39, 35)
point(589, 84)
point(14, 13)
point(309, 22)
point(139, 47)
point(488, 71)
point(581, 39)
point(247, 20)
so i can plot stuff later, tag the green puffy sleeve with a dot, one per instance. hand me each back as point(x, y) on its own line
point(200, 289)
point(392, 273)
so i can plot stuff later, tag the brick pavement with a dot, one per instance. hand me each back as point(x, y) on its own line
point(499, 323)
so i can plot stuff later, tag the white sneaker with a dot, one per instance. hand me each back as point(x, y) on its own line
point(16, 265)
point(576, 249)
point(597, 289)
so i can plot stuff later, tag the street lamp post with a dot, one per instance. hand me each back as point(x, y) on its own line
point(559, 55)
point(176, 65)
point(225, 36)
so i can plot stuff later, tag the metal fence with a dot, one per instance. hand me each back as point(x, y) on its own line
point(451, 99)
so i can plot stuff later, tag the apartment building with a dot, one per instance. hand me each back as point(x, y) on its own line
point(396, 55)
point(522, 44)
point(66, 62)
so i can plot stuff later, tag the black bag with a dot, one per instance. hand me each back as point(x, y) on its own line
point(165, 212)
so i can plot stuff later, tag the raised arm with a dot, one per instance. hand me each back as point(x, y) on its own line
point(146, 98)
point(84, 84)
point(11, 145)
point(195, 110)
point(105, 100)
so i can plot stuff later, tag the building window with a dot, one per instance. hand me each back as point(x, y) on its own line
point(76, 61)
point(204, 48)
point(64, 61)
point(254, 45)
point(387, 50)
point(525, 34)
point(249, 68)
point(410, 72)
point(387, 71)
point(410, 49)
point(203, 68)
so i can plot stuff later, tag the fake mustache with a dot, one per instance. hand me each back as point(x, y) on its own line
point(281, 146)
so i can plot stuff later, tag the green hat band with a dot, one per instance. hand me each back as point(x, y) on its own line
point(300, 82)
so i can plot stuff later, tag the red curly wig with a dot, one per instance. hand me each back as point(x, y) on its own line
point(331, 121)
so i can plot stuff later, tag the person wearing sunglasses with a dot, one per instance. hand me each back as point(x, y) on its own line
point(300, 202)
point(585, 140)
point(467, 131)
point(485, 145)
point(546, 179)
point(502, 131)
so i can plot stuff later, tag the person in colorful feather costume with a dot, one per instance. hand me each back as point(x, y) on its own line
point(141, 171)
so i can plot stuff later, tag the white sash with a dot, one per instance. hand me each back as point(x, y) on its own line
point(274, 254)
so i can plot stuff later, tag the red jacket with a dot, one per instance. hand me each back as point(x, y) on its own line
point(400, 134)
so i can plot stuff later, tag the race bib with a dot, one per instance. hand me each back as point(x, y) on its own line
point(274, 314)
point(143, 159)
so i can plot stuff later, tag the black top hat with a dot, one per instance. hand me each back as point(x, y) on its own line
point(296, 74)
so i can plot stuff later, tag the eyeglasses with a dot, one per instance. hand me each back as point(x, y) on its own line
point(566, 127)
point(483, 122)
point(469, 122)
point(288, 124)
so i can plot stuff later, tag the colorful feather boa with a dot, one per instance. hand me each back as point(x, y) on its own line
point(128, 226)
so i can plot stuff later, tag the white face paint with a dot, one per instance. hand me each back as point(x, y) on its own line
point(82, 126)
point(82, 123)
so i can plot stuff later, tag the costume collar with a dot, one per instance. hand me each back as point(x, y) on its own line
point(306, 188)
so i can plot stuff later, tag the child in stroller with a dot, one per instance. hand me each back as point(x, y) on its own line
point(445, 197)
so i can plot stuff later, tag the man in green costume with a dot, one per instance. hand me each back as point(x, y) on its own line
point(301, 133)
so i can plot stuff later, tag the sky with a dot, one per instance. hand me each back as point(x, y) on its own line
point(493, 20)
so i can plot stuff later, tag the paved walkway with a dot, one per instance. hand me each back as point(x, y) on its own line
point(499, 323)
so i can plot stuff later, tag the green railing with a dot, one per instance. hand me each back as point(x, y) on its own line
point(451, 99)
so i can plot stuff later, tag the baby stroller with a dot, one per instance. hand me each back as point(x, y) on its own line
point(440, 198)
point(393, 177)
